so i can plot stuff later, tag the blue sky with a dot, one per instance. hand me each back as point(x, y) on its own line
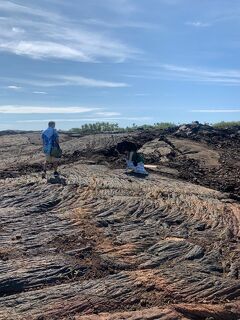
point(125, 61)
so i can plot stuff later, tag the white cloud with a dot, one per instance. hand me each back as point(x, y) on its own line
point(44, 49)
point(87, 82)
point(43, 82)
point(156, 71)
point(39, 109)
point(88, 119)
point(141, 94)
point(14, 87)
point(17, 30)
point(120, 24)
point(198, 74)
point(205, 73)
point(40, 92)
point(198, 24)
point(216, 110)
point(108, 114)
point(70, 80)
point(11, 7)
point(57, 37)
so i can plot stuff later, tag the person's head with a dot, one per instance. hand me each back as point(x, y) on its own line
point(126, 146)
point(51, 124)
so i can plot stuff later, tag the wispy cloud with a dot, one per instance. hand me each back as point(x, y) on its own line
point(222, 76)
point(227, 77)
point(198, 24)
point(216, 110)
point(14, 88)
point(18, 109)
point(44, 49)
point(9, 6)
point(141, 94)
point(58, 37)
point(18, 30)
point(108, 114)
point(88, 119)
point(87, 82)
point(67, 80)
point(120, 24)
point(43, 81)
point(40, 92)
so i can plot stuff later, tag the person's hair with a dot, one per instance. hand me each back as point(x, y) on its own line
point(51, 124)
point(126, 146)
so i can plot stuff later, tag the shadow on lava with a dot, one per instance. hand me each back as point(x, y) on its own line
point(138, 175)
point(57, 180)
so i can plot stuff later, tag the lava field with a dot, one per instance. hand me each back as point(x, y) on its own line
point(100, 244)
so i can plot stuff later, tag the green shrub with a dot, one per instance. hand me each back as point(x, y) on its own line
point(99, 127)
point(96, 127)
point(226, 124)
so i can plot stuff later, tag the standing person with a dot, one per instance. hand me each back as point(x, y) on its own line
point(51, 148)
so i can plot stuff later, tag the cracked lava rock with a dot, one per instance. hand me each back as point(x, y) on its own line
point(99, 244)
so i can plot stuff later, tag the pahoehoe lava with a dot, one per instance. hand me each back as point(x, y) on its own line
point(104, 245)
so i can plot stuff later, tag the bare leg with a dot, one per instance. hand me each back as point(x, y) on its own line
point(55, 166)
point(130, 155)
point(130, 164)
point(44, 169)
point(45, 166)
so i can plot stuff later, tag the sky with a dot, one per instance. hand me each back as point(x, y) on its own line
point(124, 61)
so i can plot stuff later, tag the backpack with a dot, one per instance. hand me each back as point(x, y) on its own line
point(56, 151)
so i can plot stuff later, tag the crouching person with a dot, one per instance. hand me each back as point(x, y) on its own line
point(134, 160)
point(51, 148)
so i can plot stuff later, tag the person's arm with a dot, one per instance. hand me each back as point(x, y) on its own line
point(42, 136)
point(130, 156)
point(56, 136)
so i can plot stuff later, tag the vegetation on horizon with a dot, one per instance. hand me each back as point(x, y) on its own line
point(226, 124)
point(114, 127)
point(99, 127)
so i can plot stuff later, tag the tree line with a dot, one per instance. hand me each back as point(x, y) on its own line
point(99, 127)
